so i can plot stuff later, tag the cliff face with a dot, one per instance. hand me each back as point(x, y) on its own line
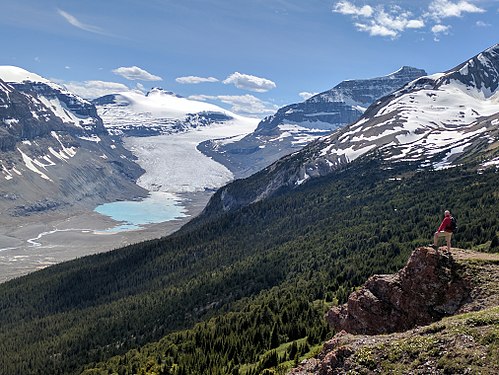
point(428, 288)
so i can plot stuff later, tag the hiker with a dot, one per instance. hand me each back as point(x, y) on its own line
point(444, 230)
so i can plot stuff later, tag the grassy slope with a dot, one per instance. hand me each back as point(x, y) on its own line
point(467, 343)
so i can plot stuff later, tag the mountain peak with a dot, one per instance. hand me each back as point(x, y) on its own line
point(161, 91)
point(14, 74)
point(480, 72)
point(405, 71)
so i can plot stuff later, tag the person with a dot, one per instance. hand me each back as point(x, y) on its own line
point(444, 230)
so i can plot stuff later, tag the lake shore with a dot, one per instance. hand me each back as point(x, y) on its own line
point(31, 243)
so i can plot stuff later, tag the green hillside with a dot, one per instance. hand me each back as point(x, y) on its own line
point(255, 280)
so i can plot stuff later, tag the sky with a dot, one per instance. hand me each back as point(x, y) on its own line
point(248, 56)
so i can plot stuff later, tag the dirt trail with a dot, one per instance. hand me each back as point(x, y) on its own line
point(462, 254)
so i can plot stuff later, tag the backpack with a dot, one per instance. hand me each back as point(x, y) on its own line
point(453, 224)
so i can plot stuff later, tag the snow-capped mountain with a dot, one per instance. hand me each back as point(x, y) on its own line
point(54, 149)
point(296, 125)
point(157, 112)
point(436, 121)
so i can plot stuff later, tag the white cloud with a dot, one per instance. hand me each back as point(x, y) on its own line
point(377, 30)
point(307, 95)
point(192, 80)
point(380, 21)
point(249, 82)
point(94, 89)
point(346, 7)
point(445, 8)
point(415, 24)
point(134, 73)
point(242, 104)
point(72, 20)
point(440, 29)
point(482, 24)
point(140, 87)
point(392, 20)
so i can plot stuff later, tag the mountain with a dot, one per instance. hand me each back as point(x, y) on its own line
point(158, 112)
point(434, 122)
point(54, 148)
point(295, 125)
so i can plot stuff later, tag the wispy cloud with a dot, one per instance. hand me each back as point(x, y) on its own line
point(242, 104)
point(249, 82)
point(391, 21)
point(192, 80)
point(94, 89)
point(482, 24)
point(134, 73)
point(72, 20)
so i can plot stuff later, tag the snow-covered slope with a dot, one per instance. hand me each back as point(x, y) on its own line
point(444, 112)
point(436, 121)
point(54, 149)
point(158, 112)
point(296, 125)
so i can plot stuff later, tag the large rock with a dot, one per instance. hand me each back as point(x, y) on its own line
point(428, 288)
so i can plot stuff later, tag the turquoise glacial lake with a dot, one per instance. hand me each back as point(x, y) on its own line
point(158, 207)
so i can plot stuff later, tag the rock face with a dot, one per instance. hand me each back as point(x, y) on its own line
point(428, 288)
point(295, 125)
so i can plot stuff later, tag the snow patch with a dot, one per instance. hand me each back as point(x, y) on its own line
point(30, 164)
point(70, 151)
point(91, 138)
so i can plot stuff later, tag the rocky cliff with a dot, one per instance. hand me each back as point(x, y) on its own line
point(429, 287)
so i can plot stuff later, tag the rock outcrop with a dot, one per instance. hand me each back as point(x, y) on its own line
point(428, 288)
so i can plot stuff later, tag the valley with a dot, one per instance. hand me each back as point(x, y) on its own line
point(172, 164)
point(31, 243)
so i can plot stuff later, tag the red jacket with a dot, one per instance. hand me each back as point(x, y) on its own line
point(445, 226)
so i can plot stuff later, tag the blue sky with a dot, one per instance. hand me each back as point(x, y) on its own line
point(251, 56)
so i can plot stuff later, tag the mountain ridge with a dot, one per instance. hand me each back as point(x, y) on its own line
point(430, 122)
point(159, 112)
point(294, 125)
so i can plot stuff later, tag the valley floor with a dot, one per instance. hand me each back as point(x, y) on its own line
point(31, 243)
